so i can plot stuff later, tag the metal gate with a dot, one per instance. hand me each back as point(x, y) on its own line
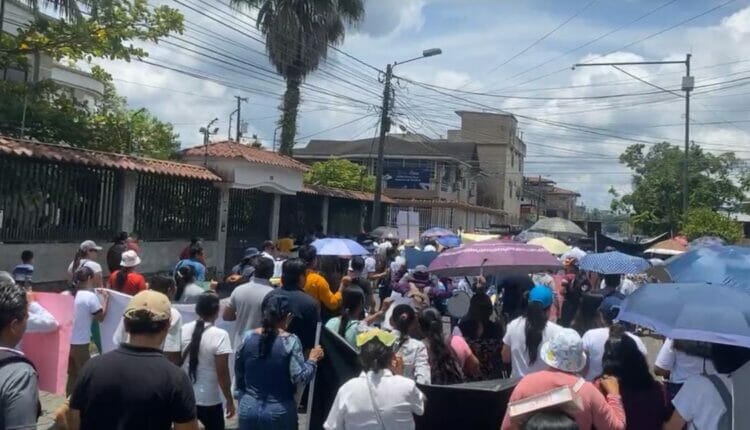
point(248, 222)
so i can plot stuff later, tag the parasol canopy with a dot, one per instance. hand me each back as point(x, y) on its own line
point(339, 247)
point(385, 233)
point(558, 226)
point(613, 263)
point(435, 232)
point(493, 256)
point(449, 241)
point(716, 265)
point(554, 246)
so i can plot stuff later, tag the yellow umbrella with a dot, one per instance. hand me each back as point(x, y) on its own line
point(554, 246)
point(474, 237)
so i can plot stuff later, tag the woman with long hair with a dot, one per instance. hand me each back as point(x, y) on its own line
point(87, 308)
point(125, 279)
point(588, 316)
point(351, 321)
point(413, 352)
point(268, 368)
point(644, 399)
point(484, 336)
point(187, 290)
point(449, 358)
point(380, 398)
point(205, 353)
point(86, 256)
point(525, 334)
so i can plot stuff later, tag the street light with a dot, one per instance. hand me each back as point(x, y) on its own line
point(385, 125)
point(206, 132)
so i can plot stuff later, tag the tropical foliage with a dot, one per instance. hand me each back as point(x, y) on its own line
point(706, 222)
point(340, 173)
point(298, 34)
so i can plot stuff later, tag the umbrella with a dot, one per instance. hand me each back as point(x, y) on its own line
point(558, 226)
point(475, 237)
point(575, 253)
point(493, 256)
point(707, 242)
point(385, 233)
point(667, 247)
point(554, 246)
point(716, 265)
point(613, 263)
point(339, 247)
point(692, 311)
point(449, 241)
point(526, 236)
point(436, 232)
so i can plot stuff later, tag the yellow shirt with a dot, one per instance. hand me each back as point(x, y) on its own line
point(318, 288)
point(285, 244)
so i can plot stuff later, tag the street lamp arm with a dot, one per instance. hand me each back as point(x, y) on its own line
point(629, 63)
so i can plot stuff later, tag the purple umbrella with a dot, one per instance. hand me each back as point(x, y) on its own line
point(493, 256)
point(436, 232)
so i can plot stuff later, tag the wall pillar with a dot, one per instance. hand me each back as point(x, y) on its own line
point(273, 228)
point(127, 192)
point(221, 233)
point(324, 214)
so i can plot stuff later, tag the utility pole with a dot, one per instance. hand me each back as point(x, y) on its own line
point(385, 126)
point(207, 132)
point(688, 84)
point(229, 129)
point(239, 116)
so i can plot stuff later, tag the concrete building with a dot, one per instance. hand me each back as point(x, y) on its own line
point(77, 83)
point(542, 197)
point(478, 168)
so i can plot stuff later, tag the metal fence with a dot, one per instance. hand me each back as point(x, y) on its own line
point(173, 208)
point(249, 214)
point(43, 202)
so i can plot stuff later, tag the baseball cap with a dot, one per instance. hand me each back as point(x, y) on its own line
point(148, 304)
point(251, 252)
point(541, 294)
point(89, 245)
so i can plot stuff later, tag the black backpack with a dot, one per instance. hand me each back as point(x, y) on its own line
point(10, 357)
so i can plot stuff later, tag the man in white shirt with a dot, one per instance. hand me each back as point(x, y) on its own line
point(246, 302)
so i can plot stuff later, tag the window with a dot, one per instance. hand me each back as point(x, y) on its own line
point(512, 158)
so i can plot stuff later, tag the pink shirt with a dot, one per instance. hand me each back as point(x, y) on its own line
point(598, 412)
point(461, 348)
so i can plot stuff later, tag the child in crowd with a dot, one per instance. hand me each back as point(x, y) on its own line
point(23, 272)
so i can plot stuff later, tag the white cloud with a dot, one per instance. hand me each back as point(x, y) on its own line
point(383, 17)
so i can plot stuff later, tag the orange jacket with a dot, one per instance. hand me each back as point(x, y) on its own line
point(318, 288)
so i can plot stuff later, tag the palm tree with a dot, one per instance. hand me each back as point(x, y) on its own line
point(298, 33)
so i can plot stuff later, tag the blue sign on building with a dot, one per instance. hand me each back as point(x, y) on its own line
point(412, 178)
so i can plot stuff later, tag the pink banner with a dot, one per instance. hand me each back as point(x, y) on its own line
point(49, 351)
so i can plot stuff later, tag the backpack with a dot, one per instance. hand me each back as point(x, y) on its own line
point(725, 421)
point(9, 357)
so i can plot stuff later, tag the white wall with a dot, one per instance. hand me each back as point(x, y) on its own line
point(51, 260)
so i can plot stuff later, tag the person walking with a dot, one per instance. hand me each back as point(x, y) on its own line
point(86, 256)
point(187, 290)
point(246, 302)
point(205, 351)
point(114, 253)
point(24, 272)
point(564, 358)
point(135, 386)
point(86, 309)
point(450, 357)
point(351, 323)
point(197, 261)
point(269, 366)
point(316, 285)
point(304, 310)
point(19, 395)
point(411, 351)
point(125, 279)
point(679, 360)
point(525, 335)
point(380, 397)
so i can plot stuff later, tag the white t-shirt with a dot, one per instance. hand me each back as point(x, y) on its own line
point(369, 265)
point(515, 338)
point(86, 304)
point(700, 404)
point(594, 342)
point(91, 264)
point(398, 400)
point(429, 248)
point(173, 341)
point(214, 341)
point(681, 365)
point(191, 294)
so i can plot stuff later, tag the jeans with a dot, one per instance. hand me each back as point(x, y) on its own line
point(212, 417)
point(258, 414)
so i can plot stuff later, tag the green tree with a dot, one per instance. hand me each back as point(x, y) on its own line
point(340, 173)
point(298, 33)
point(655, 203)
point(707, 222)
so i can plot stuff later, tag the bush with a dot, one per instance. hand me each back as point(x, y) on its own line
point(707, 222)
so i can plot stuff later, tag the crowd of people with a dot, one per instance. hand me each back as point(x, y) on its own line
point(552, 330)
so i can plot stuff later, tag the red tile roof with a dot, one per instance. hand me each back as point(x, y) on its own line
point(229, 149)
point(66, 154)
point(558, 190)
point(364, 196)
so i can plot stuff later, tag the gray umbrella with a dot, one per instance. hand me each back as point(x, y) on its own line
point(558, 226)
point(385, 233)
point(696, 311)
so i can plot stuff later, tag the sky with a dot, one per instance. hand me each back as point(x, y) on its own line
point(498, 56)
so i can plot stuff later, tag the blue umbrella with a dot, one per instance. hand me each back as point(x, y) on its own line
point(449, 241)
point(706, 241)
point(613, 263)
point(715, 265)
point(436, 232)
point(694, 311)
point(339, 247)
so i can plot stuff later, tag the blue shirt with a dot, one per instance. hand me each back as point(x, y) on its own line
point(198, 268)
point(23, 272)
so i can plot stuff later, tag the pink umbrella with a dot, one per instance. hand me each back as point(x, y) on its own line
point(493, 256)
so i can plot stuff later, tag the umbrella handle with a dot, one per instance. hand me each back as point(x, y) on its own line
point(481, 267)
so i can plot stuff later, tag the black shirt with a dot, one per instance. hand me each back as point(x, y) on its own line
point(306, 314)
point(133, 388)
